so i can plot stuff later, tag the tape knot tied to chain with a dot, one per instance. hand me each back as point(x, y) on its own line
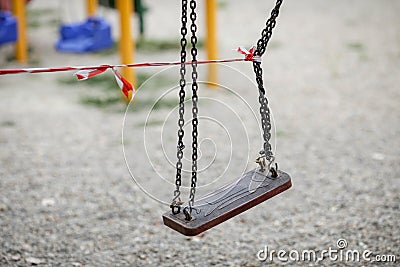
point(249, 55)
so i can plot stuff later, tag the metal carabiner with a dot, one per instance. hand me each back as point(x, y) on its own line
point(188, 214)
point(176, 203)
point(261, 161)
point(274, 171)
point(176, 209)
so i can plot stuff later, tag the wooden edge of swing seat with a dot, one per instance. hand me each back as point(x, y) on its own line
point(212, 209)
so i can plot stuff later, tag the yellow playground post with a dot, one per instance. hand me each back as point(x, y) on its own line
point(21, 46)
point(91, 6)
point(126, 42)
point(211, 40)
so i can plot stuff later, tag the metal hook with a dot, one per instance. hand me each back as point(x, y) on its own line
point(175, 208)
point(176, 203)
point(261, 161)
point(274, 171)
point(177, 198)
point(188, 214)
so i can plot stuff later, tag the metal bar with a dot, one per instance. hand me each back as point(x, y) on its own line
point(211, 40)
point(21, 46)
point(126, 41)
point(91, 6)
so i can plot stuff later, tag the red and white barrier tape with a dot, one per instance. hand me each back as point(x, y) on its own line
point(105, 67)
point(87, 72)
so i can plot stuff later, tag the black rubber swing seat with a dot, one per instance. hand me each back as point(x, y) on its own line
point(251, 189)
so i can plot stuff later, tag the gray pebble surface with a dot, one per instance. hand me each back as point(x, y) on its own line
point(332, 75)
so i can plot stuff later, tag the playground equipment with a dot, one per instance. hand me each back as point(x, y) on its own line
point(92, 35)
point(126, 50)
point(252, 187)
point(138, 7)
point(95, 34)
point(8, 28)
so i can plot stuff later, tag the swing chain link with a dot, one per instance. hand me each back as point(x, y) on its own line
point(193, 39)
point(266, 33)
point(181, 121)
point(262, 99)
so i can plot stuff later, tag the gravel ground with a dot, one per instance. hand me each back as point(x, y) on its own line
point(332, 74)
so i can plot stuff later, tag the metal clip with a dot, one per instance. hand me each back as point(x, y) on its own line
point(176, 206)
point(188, 213)
point(274, 171)
point(261, 161)
point(176, 209)
point(176, 203)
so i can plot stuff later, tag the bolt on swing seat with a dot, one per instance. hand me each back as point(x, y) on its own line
point(253, 188)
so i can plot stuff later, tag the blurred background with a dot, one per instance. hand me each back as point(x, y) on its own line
point(332, 78)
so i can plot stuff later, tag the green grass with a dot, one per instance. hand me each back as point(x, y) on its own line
point(33, 58)
point(34, 16)
point(356, 46)
point(54, 22)
point(142, 104)
point(107, 100)
point(109, 94)
point(34, 23)
point(274, 44)
point(152, 45)
point(360, 49)
point(104, 81)
point(39, 12)
point(7, 123)
point(101, 102)
point(150, 123)
point(222, 3)
point(280, 133)
point(109, 51)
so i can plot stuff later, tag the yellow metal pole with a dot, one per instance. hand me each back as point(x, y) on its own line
point(211, 40)
point(91, 6)
point(126, 41)
point(21, 46)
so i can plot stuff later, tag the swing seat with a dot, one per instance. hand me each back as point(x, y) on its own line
point(92, 35)
point(8, 28)
point(250, 190)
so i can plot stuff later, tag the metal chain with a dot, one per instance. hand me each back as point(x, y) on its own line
point(193, 39)
point(264, 109)
point(181, 120)
point(267, 31)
